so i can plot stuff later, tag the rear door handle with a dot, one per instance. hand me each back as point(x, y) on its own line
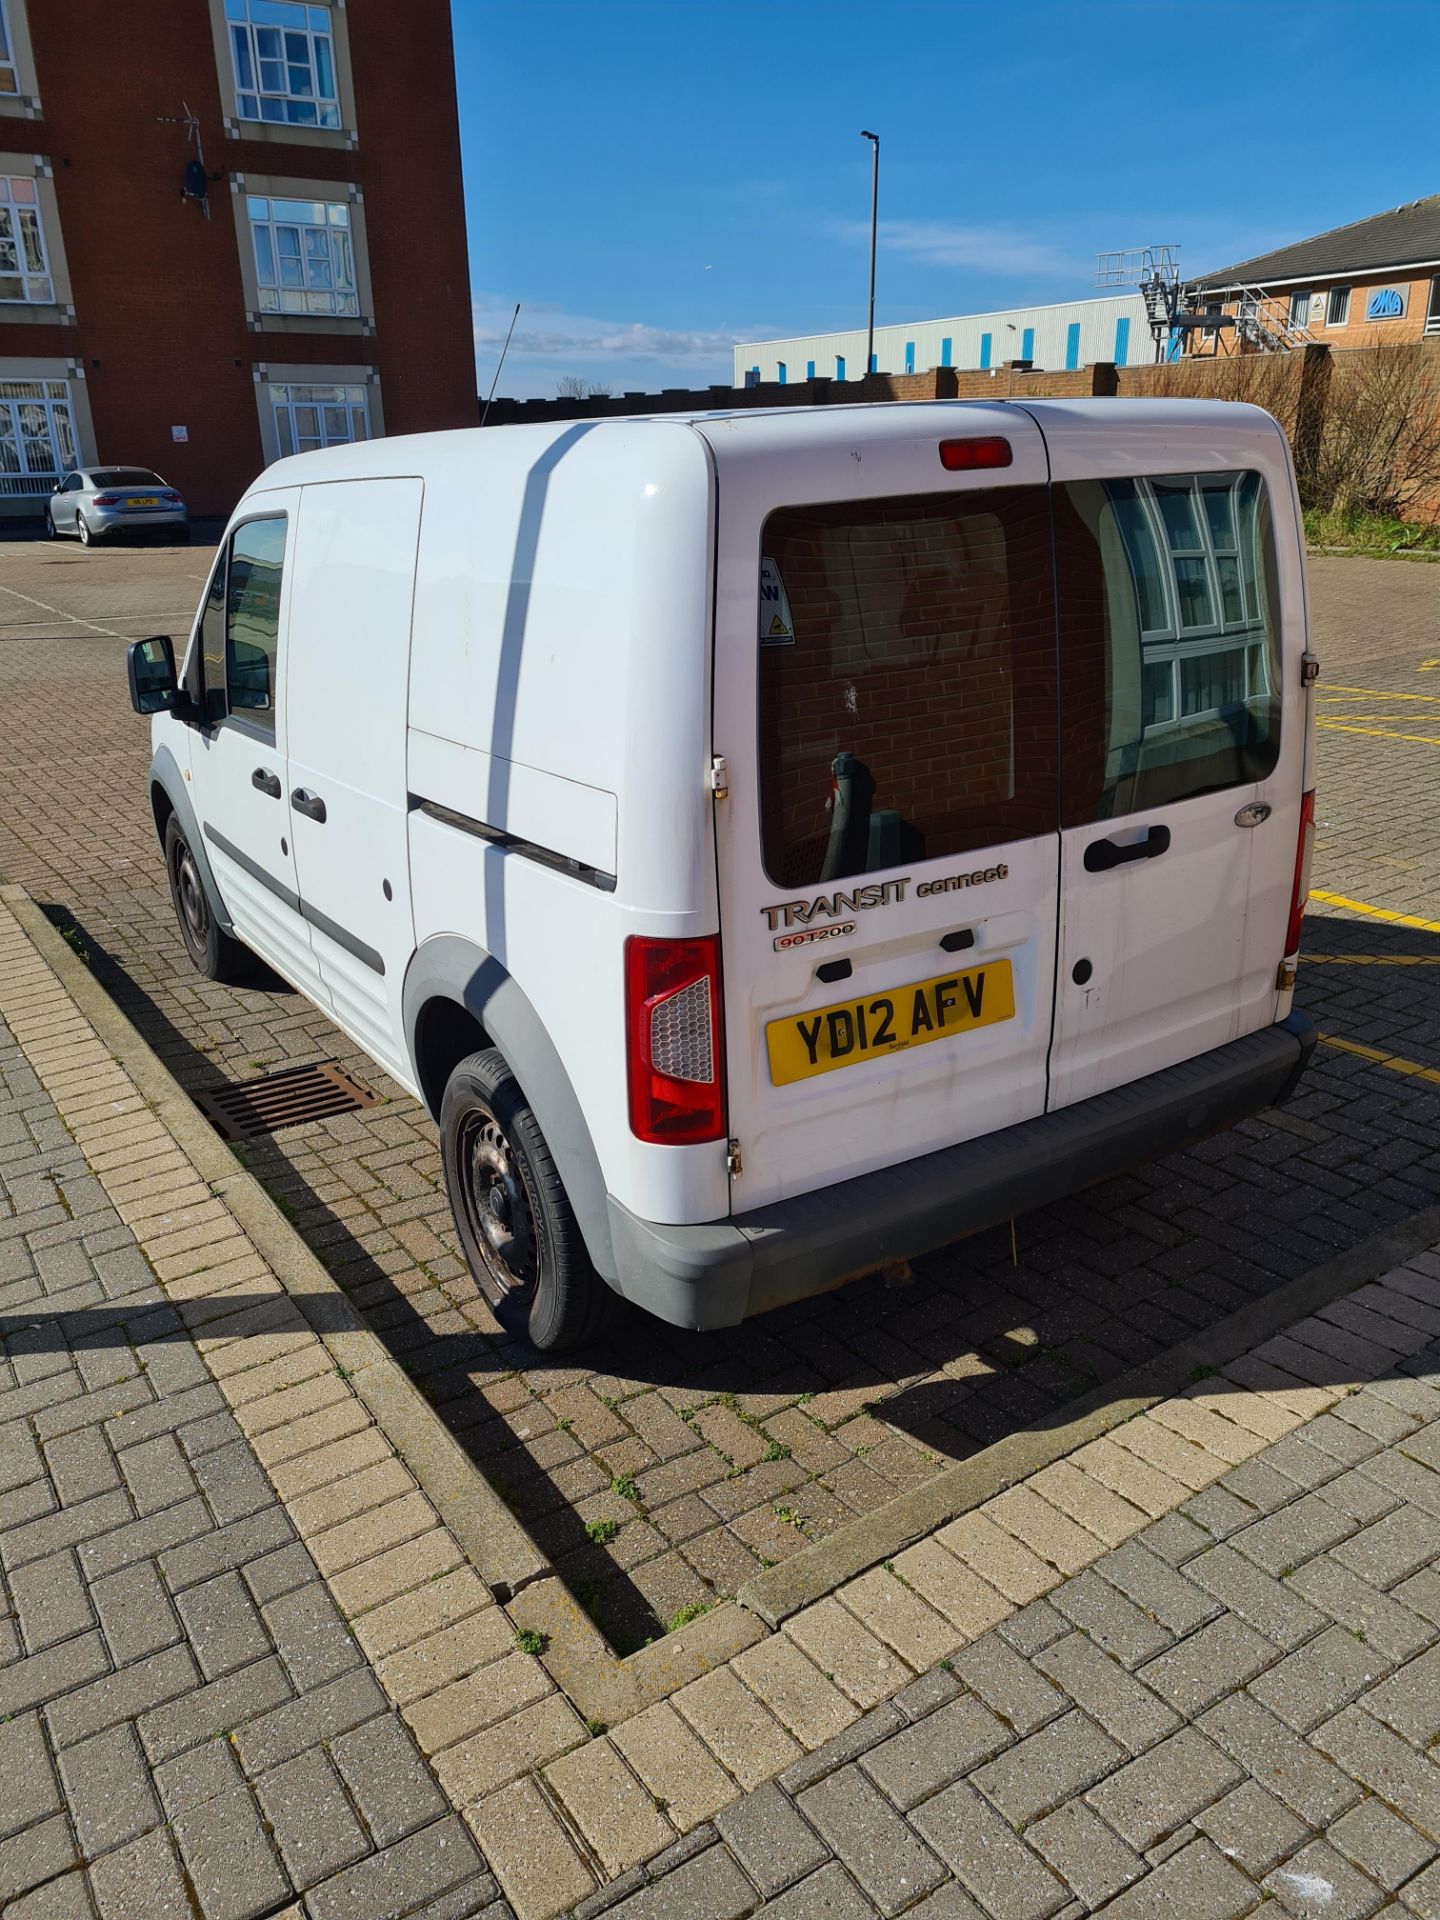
point(1102, 855)
point(266, 781)
point(310, 804)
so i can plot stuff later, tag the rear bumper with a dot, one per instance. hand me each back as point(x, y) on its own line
point(107, 521)
point(719, 1273)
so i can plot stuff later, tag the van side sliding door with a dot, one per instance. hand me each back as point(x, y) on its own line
point(350, 607)
point(1182, 741)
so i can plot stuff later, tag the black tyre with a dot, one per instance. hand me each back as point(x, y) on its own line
point(211, 952)
point(515, 1223)
point(50, 533)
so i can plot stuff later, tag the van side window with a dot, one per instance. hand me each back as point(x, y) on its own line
point(252, 622)
point(907, 681)
point(1169, 640)
point(212, 645)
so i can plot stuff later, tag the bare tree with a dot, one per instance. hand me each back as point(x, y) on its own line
point(574, 386)
point(1379, 446)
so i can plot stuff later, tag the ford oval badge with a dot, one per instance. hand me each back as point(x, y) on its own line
point(1253, 814)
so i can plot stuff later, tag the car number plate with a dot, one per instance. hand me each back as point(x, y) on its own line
point(143, 500)
point(803, 1044)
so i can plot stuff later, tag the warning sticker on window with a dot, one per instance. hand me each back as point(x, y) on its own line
point(777, 629)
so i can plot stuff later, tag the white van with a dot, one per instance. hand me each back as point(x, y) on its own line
point(771, 844)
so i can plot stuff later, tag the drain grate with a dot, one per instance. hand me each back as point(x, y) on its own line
point(255, 1107)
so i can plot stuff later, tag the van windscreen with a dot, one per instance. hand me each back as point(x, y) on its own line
point(1169, 640)
point(907, 680)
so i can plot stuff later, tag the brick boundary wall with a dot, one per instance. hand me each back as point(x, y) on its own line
point(1295, 387)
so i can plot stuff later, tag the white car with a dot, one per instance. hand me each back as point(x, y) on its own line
point(771, 844)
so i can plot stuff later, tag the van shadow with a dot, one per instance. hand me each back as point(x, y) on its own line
point(998, 1334)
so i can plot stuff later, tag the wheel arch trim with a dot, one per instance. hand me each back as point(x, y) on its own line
point(165, 775)
point(450, 967)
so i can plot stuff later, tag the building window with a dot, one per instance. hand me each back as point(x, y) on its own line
point(24, 267)
point(1300, 308)
point(304, 260)
point(1337, 307)
point(37, 435)
point(9, 79)
point(321, 416)
point(1432, 312)
point(284, 57)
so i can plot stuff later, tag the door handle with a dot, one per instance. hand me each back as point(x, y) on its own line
point(1102, 855)
point(310, 804)
point(266, 781)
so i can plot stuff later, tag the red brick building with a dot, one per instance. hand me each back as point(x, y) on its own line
point(317, 291)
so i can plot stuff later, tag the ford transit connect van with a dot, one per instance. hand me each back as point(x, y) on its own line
point(771, 844)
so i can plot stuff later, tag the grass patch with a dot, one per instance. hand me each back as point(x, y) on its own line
point(624, 1485)
point(528, 1641)
point(692, 1611)
point(602, 1532)
point(777, 1450)
point(1371, 533)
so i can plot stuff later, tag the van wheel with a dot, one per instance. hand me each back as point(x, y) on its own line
point(211, 952)
point(515, 1223)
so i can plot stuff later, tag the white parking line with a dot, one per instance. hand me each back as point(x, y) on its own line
point(60, 613)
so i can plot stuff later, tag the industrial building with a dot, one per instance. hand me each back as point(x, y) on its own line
point(1074, 334)
point(229, 229)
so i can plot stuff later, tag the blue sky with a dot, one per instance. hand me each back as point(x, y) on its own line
point(654, 179)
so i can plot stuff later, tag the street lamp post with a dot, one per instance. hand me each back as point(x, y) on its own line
point(874, 140)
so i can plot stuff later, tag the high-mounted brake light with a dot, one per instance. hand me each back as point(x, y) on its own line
point(1301, 893)
point(964, 456)
point(674, 1040)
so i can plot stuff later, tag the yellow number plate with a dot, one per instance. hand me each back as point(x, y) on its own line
point(143, 500)
point(803, 1044)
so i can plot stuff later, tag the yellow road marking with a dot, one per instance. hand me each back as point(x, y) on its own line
point(1380, 693)
point(1379, 1058)
point(1370, 959)
point(1376, 913)
point(1379, 733)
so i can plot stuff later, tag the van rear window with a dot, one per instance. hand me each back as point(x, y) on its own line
point(1169, 640)
point(907, 680)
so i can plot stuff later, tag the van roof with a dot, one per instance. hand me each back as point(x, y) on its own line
point(807, 428)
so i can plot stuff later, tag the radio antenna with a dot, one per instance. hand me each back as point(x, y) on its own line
point(500, 363)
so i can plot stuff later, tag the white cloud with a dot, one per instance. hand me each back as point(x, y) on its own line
point(550, 333)
point(998, 250)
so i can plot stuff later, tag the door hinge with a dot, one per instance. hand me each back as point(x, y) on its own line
point(719, 776)
point(1309, 668)
point(733, 1163)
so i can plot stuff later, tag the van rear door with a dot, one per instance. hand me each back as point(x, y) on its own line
point(885, 703)
point(1182, 737)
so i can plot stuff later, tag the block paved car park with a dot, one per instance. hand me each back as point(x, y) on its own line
point(664, 1469)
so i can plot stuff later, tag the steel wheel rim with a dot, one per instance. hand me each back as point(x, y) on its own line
point(190, 898)
point(499, 1220)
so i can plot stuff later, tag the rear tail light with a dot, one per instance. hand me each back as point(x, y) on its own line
point(1303, 849)
point(106, 500)
point(964, 456)
point(171, 499)
point(674, 1040)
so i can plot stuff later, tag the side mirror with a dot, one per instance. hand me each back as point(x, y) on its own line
point(249, 676)
point(150, 669)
